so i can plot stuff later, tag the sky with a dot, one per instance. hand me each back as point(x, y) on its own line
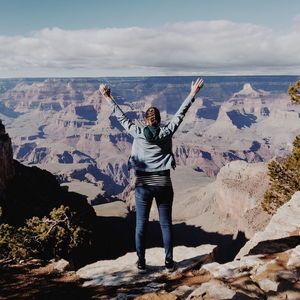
point(86, 38)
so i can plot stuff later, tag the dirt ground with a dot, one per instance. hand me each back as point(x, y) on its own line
point(36, 279)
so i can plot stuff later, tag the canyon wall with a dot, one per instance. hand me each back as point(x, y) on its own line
point(6, 158)
point(65, 126)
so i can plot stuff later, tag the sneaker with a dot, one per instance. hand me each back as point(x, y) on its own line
point(170, 265)
point(141, 265)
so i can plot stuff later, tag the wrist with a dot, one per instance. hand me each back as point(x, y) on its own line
point(107, 97)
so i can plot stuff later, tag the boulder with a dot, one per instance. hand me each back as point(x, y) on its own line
point(62, 265)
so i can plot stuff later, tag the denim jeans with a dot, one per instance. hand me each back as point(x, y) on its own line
point(143, 201)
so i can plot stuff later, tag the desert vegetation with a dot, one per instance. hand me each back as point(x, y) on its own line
point(284, 175)
point(284, 179)
point(294, 92)
point(52, 236)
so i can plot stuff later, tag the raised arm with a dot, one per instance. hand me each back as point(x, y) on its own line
point(178, 117)
point(127, 123)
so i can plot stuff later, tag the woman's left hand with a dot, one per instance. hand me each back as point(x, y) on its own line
point(196, 86)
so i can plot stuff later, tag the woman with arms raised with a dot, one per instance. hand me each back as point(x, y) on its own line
point(152, 158)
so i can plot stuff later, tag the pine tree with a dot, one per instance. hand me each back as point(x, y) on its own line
point(294, 93)
point(51, 236)
point(284, 175)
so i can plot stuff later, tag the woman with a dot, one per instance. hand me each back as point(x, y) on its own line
point(152, 158)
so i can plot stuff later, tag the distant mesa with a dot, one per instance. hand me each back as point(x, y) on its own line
point(249, 91)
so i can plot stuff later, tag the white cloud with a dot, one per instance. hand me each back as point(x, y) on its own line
point(210, 47)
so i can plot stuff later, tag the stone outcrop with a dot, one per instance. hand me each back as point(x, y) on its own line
point(122, 271)
point(30, 191)
point(270, 272)
point(256, 276)
point(239, 187)
point(229, 204)
point(6, 158)
point(283, 225)
point(35, 192)
point(271, 269)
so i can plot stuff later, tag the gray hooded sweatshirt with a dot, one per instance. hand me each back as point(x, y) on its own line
point(147, 156)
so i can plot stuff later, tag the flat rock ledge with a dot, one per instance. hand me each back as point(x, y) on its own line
point(123, 271)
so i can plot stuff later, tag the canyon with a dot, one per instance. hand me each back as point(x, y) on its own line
point(234, 128)
point(64, 126)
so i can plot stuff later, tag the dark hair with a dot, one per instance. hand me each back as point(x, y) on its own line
point(153, 116)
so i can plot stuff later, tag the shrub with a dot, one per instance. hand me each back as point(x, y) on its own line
point(11, 245)
point(284, 179)
point(294, 93)
point(53, 236)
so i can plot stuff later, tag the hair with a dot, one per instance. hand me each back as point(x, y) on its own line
point(153, 116)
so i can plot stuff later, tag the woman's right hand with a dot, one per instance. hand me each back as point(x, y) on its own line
point(105, 91)
point(196, 86)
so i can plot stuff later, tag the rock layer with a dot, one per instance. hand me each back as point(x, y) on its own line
point(49, 120)
point(229, 204)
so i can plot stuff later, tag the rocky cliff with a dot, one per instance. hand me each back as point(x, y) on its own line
point(29, 191)
point(6, 158)
point(271, 268)
point(269, 271)
point(283, 226)
point(230, 203)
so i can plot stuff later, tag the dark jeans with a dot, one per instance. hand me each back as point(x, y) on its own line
point(143, 201)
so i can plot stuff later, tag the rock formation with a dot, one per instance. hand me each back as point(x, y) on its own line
point(30, 191)
point(229, 204)
point(270, 271)
point(63, 125)
point(284, 224)
point(271, 268)
point(6, 158)
point(122, 271)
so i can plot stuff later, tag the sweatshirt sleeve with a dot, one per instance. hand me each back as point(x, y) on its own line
point(126, 123)
point(173, 125)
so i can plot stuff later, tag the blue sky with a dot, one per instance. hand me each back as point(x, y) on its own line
point(24, 16)
point(150, 37)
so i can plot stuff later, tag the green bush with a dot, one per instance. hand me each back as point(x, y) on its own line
point(11, 245)
point(284, 179)
point(53, 236)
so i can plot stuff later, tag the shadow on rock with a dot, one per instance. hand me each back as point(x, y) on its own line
point(275, 246)
point(115, 237)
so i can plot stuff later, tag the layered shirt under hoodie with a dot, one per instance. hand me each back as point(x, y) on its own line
point(152, 156)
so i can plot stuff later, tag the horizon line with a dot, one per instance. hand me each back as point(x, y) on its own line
point(145, 76)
